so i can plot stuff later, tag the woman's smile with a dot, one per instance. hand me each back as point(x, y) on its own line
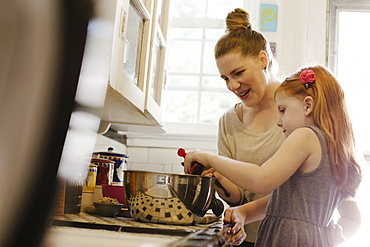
point(244, 94)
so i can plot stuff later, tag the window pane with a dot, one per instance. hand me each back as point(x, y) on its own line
point(185, 56)
point(214, 105)
point(209, 64)
point(193, 69)
point(215, 7)
point(181, 106)
point(190, 9)
point(186, 33)
point(133, 43)
point(352, 72)
point(152, 80)
point(214, 81)
point(183, 80)
point(214, 33)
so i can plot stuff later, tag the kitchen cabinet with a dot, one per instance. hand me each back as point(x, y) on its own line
point(138, 65)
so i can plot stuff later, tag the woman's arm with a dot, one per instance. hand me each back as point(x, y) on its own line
point(234, 195)
point(230, 192)
point(348, 224)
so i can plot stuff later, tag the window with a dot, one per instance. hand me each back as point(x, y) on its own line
point(349, 61)
point(195, 93)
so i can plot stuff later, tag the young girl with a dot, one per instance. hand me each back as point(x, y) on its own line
point(313, 171)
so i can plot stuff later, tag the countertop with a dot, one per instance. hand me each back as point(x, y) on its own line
point(125, 231)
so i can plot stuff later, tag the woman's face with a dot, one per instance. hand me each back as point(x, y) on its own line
point(244, 76)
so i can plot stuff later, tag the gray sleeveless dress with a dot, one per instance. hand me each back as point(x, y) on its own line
point(301, 208)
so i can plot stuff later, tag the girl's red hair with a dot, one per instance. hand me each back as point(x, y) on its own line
point(330, 115)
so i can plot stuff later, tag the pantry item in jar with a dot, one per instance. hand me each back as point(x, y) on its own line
point(105, 170)
point(120, 164)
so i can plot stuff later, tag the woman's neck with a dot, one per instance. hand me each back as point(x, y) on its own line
point(263, 115)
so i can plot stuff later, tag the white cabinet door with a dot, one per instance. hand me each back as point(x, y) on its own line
point(137, 73)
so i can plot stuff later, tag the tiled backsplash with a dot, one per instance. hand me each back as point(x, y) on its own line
point(157, 153)
point(154, 159)
point(103, 143)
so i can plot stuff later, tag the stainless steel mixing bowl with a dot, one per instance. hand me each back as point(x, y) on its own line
point(167, 198)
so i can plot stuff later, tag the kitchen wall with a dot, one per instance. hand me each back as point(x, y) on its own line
point(301, 32)
point(156, 152)
point(300, 39)
point(103, 142)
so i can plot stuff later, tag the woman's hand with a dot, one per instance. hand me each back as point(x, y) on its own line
point(228, 237)
point(334, 234)
point(208, 173)
point(233, 231)
point(348, 223)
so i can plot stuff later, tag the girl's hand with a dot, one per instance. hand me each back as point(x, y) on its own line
point(195, 157)
point(232, 235)
point(233, 232)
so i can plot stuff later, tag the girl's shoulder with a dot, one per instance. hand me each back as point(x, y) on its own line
point(309, 130)
point(306, 143)
point(305, 131)
point(312, 131)
point(306, 138)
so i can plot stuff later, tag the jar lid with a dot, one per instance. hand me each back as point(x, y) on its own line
point(102, 161)
point(111, 153)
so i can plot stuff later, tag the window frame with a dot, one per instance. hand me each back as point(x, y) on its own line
point(335, 6)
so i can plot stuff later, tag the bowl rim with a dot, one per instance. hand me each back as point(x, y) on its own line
point(107, 204)
point(168, 173)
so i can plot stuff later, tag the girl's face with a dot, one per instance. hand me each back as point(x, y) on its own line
point(244, 76)
point(293, 112)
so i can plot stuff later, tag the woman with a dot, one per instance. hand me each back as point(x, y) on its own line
point(248, 131)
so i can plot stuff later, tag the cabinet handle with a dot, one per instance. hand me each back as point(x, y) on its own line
point(123, 18)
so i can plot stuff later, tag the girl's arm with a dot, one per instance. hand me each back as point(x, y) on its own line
point(300, 146)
